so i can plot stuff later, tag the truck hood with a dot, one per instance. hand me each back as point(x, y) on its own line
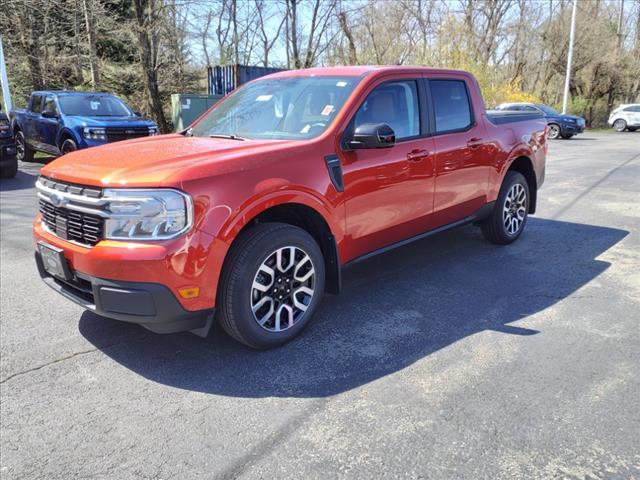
point(151, 161)
point(109, 121)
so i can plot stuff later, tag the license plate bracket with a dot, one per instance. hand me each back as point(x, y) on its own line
point(53, 261)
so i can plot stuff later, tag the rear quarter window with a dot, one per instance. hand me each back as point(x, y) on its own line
point(451, 105)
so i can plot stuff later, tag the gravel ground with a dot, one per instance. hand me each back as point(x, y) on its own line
point(448, 358)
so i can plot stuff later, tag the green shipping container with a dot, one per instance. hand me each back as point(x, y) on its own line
point(187, 107)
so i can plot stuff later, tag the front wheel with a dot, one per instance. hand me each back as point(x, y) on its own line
point(619, 125)
point(68, 146)
point(554, 131)
point(509, 216)
point(271, 284)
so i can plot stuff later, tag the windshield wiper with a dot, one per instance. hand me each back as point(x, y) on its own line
point(228, 136)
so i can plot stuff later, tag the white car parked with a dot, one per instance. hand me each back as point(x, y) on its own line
point(625, 117)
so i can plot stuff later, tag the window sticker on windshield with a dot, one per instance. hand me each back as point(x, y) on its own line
point(327, 110)
point(263, 98)
point(95, 105)
point(341, 84)
point(306, 129)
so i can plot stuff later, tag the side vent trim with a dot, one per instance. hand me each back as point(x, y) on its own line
point(335, 171)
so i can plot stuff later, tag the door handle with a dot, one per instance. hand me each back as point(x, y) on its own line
point(474, 142)
point(417, 155)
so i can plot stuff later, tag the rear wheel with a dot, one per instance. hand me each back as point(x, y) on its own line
point(619, 125)
point(23, 151)
point(509, 216)
point(271, 285)
point(554, 131)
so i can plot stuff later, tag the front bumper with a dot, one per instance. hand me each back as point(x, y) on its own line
point(150, 305)
point(571, 128)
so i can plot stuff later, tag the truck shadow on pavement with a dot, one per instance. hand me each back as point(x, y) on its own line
point(395, 309)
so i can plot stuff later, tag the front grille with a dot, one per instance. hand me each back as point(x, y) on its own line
point(74, 188)
point(115, 134)
point(72, 225)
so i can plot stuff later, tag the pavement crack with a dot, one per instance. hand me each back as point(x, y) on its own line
point(52, 362)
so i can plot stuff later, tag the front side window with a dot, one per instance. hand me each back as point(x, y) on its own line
point(633, 108)
point(548, 110)
point(394, 103)
point(94, 106)
point(293, 108)
point(451, 105)
point(50, 105)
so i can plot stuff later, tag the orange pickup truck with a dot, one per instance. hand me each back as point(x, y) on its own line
point(250, 214)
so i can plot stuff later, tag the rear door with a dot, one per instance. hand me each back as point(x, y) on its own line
point(463, 159)
point(389, 191)
point(32, 117)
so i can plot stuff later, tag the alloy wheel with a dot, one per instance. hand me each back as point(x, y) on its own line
point(20, 147)
point(515, 209)
point(283, 288)
point(619, 125)
point(554, 131)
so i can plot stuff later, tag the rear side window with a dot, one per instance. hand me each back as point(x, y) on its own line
point(451, 105)
point(394, 103)
point(633, 108)
point(36, 104)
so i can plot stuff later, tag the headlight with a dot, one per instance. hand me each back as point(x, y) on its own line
point(93, 133)
point(155, 214)
point(153, 131)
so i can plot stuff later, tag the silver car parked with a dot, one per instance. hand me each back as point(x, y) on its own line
point(625, 117)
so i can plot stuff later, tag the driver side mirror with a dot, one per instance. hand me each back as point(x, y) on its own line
point(49, 114)
point(137, 114)
point(372, 135)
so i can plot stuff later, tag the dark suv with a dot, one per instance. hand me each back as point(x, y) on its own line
point(8, 160)
point(565, 126)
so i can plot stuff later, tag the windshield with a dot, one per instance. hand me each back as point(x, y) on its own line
point(547, 110)
point(279, 108)
point(93, 106)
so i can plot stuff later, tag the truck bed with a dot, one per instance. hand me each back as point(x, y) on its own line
point(500, 117)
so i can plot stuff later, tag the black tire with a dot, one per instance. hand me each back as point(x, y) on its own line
point(24, 153)
point(494, 227)
point(10, 171)
point(554, 131)
point(236, 293)
point(620, 125)
point(567, 136)
point(68, 146)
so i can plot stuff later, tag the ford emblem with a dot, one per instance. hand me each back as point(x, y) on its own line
point(56, 200)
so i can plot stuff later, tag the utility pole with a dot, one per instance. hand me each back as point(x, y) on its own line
point(4, 81)
point(565, 100)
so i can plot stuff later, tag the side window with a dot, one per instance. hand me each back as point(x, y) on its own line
point(634, 108)
point(451, 105)
point(36, 104)
point(50, 105)
point(394, 103)
point(529, 108)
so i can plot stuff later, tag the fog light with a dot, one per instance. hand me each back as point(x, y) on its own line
point(189, 292)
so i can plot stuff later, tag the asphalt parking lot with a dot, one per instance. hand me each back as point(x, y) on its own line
point(449, 358)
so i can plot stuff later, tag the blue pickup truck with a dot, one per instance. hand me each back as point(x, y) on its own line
point(565, 126)
point(57, 122)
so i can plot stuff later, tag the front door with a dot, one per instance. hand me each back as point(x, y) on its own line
point(389, 191)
